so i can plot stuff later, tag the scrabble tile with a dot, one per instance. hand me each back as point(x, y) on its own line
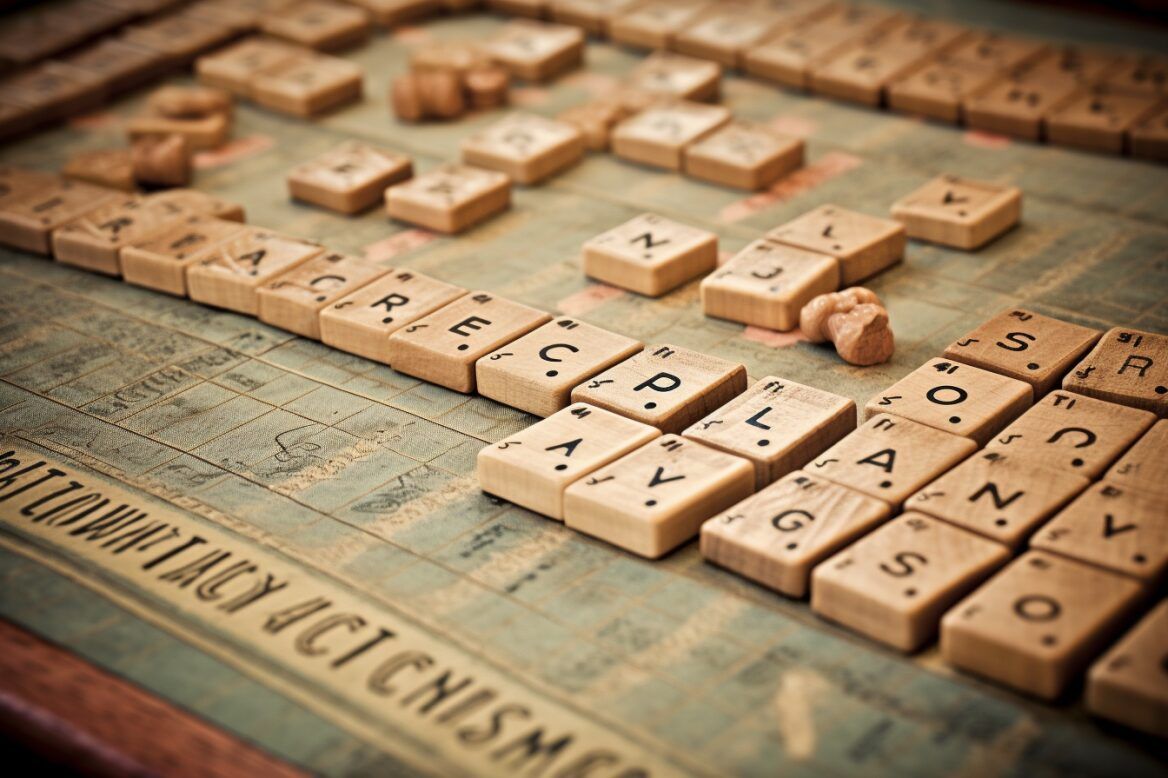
point(937, 88)
point(1144, 467)
point(294, 300)
point(767, 284)
point(890, 458)
point(323, 26)
point(997, 495)
point(533, 468)
point(959, 212)
point(1098, 120)
point(537, 372)
point(726, 30)
point(392, 13)
point(111, 168)
point(1022, 344)
point(160, 262)
point(533, 9)
point(194, 201)
point(666, 386)
point(1016, 104)
point(776, 537)
point(650, 255)
point(536, 51)
point(308, 85)
point(894, 584)
point(1129, 683)
point(442, 348)
point(27, 223)
point(955, 398)
point(677, 76)
point(1074, 64)
point(593, 16)
point(743, 154)
point(658, 135)
point(361, 322)
point(1126, 366)
point(1037, 624)
point(349, 178)
point(527, 147)
point(1148, 137)
point(864, 245)
point(17, 183)
point(229, 274)
point(997, 51)
point(779, 425)
point(1123, 530)
point(181, 36)
point(52, 91)
point(234, 67)
point(120, 64)
point(654, 499)
point(1143, 75)
point(654, 24)
point(449, 198)
point(93, 242)
point(200, 134)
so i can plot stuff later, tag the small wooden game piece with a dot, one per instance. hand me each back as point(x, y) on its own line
point(405, 98)
point(959, 212)
point(861, 72)
point(233, 68)
point(161, 160)
point(308, 85)
point(110, 168)
point(450, 198)
point(19, 182)
point(725, 31)
point(93, 242)
point(894, 584)
point(229, 274)
point(778, 425)
point(533, 468)
point(997, 495)
point(778, 535)
point(656, 23)
point(654, 499)
point(998, 52)
point(937, 88)
point(1098, 119)
point(1119, 529)
point(1082, 66)
point(1144, 467)
point(181, 200)
point(294, 300)
point(52, 91)
point(537, 51)
point(593, 16)
point(120, 64)
point(856, 323)
point(666, 386)
point(189, 102)
point(441, 94)
point(319, 25)
point(207, 132)
point(650, 255)
point(1148, 137)
point(362, 322)
point(527, 147)
point(1015, 105)
point(392, 13)
point(1022, 344)
point(349, 178)
point(1035, 625)
point(677, 76)
point(658, 135)
point(743, 154)
point(864, 245)
point(767, 284)
point(596, 119)
point(182, 36)
point(1129, 367)
point(533, 9)
point(955, 398)
point(1129, 683)
point(457, 56)
point(161, 262)
point(1141, 75)
point(487, 86)
point(1070, 432)
point(537, 372)
point(27, 223)
point(890, 458)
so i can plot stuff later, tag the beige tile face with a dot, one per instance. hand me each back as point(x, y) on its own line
point(1129, 683)
point(1118, 529)
point(650, 254)
point(955, 398)
point(1098, 120)
point(1016, 106)
point(861, 73)
point(228, 274)
point(779, 425)
point(18, 182)
point(1036, 625)
point(234, 67)
point(996, 51)
point(724, 34)
point(449, 198)
point(1129, 367)
point(937, 89)
point(959, 212)
point(863, 244)
point(537, 372)
point(1025, 345)
point(676, 75)
point(536, 50)
point(656, 498)
point(778, 535)
point(743, 154)
point(28, 222)
point(1072, 433)
point(94, 240)
point(894, 584)
point(891, 458)
point(161, 262)
point(998, 496)
point(318, 25)
point(657, 135)
point(294, 300)
point(666, 386)
point(1144, 467)
point(348, 178)
point(654, 24)
point(534, 467)
point(527, 147)
point(1143, 75)
point(767, 284)
point(175, 201)
point(308, 84)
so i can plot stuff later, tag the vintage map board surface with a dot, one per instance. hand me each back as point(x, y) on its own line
point(376, 612)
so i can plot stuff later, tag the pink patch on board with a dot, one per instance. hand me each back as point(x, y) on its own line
point(396, 245)
point(772, 338)
point(795, 126)
point(95, 121)
point(528, 95)
point(827, 167)
point(985, 140)
point(233, 151)
point(591, 296)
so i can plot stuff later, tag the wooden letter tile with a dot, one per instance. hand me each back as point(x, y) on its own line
point(955, 398)
point(19, 182)
point(537, 51)
point(894, 584)
point(535, 466)
point(294, 300)
point(229, 274)
point(745, 155)
point(654, 24)
point(450, 198)
point(200, 134)
point(677, 76)
point(319, 25)
point(171, 202)
point(27, 223)
point(527, 147)
point(658, 135)
point(161, 262)
point(308, 85)
point(656, 498)
point(537, 372)
point(1097, 120)
point(863, 244)
point(94, 241)
point(778, 425)
point(999, 496)
point(362, 322)
point(937, 88)
point(1129, 683)
point(349, 178)
point(233, 68)
point(593, 16)
point(1015, 105)
point(442, 348)
point(727, 30)
point(1144, 467)
point(959, 212)
point(890, 457)
point(777, 536)
point(666, 386)
point(1036, 625)
point(1148, 138)
point(1126, 366)
point(650, 255)
point(767, 284)
point(861, 73)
